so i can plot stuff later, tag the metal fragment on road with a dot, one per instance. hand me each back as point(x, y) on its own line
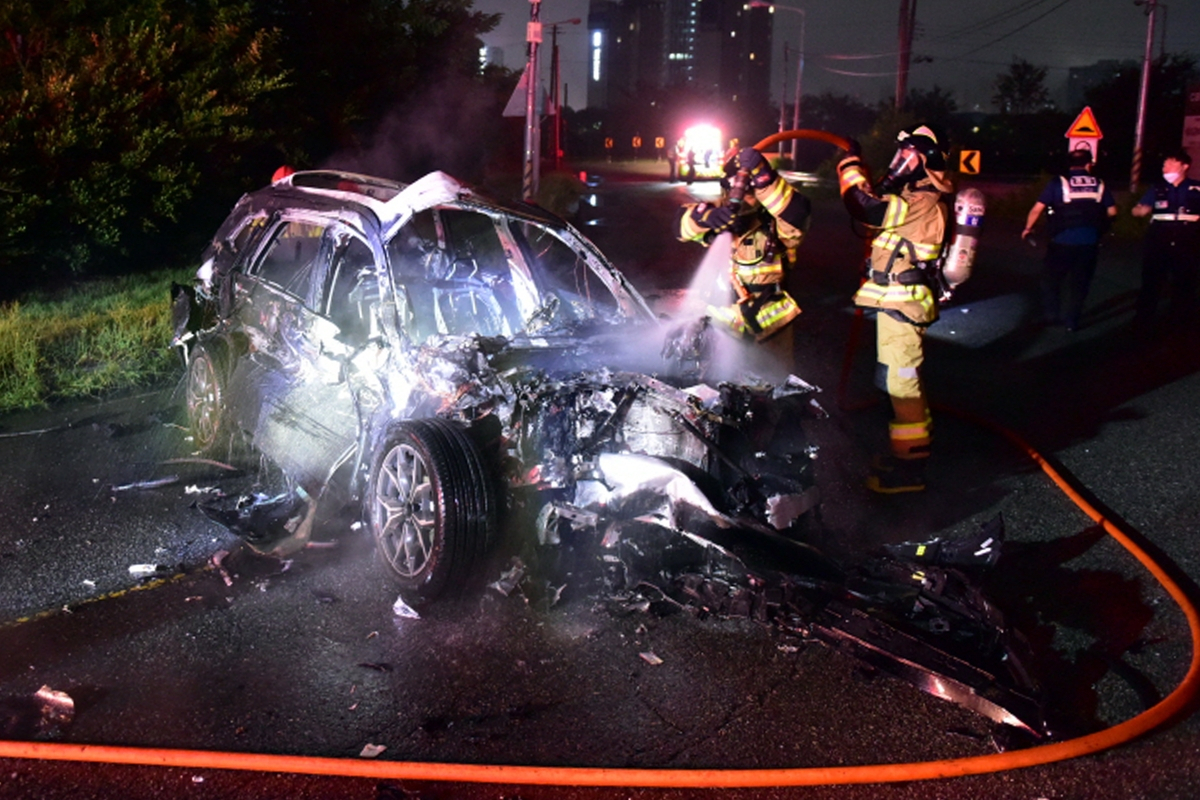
point(650, 658)
point(510, 578)
point(157, 483)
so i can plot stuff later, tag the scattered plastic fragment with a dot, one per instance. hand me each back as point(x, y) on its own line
point(372, 750)
point(194, 489)
point(145, 570)
point(650, 658)
point(403, 609)
point(197, 779)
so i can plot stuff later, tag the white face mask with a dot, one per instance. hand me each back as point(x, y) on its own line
point(1172, 177)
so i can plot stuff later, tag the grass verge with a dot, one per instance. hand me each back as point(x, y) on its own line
point(87, 341)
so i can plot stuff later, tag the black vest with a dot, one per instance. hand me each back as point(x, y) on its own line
point(1081, 205)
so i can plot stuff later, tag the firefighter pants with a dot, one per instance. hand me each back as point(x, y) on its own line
point(900, 350)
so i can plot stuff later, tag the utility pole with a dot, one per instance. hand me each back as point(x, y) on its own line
point(1135, 171)
point(554, 94)
point(799, 80)
point(555, 79)
point(533, 128)
point(908, 16)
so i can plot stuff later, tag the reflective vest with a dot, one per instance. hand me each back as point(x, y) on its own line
point(1081, 206)
point(911, 234)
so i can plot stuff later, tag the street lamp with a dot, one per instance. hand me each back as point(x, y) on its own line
point(799, 66)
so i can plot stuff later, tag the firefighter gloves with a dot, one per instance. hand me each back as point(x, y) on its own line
point(698, 222)
point(757, 167)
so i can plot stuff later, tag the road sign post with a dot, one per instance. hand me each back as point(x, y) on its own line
point(1084, 134)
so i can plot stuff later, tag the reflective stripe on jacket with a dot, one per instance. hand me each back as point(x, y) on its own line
point(760, 316)
point(913, 228)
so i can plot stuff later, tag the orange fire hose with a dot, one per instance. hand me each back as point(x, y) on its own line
point(803, 133)
point(1170, 707)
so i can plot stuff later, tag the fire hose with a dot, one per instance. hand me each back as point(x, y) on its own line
point(1171, 707)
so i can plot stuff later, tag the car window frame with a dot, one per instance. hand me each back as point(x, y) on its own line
point(319, 265)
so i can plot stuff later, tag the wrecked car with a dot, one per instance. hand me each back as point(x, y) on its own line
point(457, 367)
point(461, 370)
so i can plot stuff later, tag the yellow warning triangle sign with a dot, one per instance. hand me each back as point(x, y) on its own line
point(1085, 126)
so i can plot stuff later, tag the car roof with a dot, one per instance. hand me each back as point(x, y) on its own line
point(393, 201)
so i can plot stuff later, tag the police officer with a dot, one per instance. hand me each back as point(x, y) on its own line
point(767, 218)
point(1172, 247)
point(1079, 207)
point(908, 217)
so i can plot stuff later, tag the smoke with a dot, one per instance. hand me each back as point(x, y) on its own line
point(452, 127)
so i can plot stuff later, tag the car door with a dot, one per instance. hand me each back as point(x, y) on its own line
point(293, 396)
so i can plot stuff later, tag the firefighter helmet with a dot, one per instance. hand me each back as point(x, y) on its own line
point(917, 154)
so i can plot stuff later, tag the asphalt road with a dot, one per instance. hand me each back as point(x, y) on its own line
point(306, 657)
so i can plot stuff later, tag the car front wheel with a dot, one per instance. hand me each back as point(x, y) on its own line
point(430, 507)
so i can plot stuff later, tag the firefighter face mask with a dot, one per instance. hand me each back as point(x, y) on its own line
point(906, 167)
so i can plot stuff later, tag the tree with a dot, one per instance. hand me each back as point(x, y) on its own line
point(111, 114)
point(1022, 90)
point(934, 106)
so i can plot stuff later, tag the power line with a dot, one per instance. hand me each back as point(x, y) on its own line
point(1014, 31)
point(988, 22)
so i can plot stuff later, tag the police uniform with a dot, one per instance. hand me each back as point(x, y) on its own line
point(911, 227)
point(1077, 215)
point(1172, 246)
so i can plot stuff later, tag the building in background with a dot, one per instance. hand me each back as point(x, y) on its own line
point(1081, 79)
point(720, 48)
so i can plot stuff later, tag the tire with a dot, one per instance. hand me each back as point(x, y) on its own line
point(207, 419)
point(430, 507)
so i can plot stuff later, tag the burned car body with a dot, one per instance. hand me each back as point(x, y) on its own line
point(449, 361)
point(458, 368)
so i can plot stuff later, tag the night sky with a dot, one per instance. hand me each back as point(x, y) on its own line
point(970, 42)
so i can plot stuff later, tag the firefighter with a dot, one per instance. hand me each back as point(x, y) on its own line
point(767, 219)
point(909, 219)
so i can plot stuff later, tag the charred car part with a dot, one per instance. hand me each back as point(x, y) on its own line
point(459, 368)
point(926, 622)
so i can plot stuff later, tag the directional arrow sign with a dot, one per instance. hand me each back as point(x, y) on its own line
point(1085, 126)
point(968, 162)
